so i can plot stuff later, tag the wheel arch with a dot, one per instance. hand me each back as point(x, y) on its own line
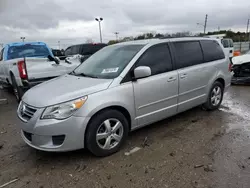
point(221, 80)
point(119, 108)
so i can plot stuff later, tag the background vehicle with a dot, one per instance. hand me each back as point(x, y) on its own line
point(58, 53)
point(85, 50)
point(121, 88)
point(241, 69)
point(23, 65)
point(227, 44)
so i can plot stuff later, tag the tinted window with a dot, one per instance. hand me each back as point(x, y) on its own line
point(231, 43)
point(188, 53)
point(89, 49)
point(27, 50)
point(57, 52)
point(212, 50)
point(75, 50)
point(1, 55)
point(109, 62)
point(158, 58)
point(68, 51)
point(225, 43)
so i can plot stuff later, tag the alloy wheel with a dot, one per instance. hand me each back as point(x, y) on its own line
point(109, 134)
point(216, 96)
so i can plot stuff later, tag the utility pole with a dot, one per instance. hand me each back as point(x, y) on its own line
point(59, 44)
point(22, 38)
point(218, 28)
point(247, 32)
point(205, 25)
point(116, 35)
point(99, 20)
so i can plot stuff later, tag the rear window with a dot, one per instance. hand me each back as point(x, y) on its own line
point(212, 50)
point(28, 50)
point(188, 53)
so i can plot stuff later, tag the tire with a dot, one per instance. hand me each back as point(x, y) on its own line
point(18, 92)
point(215, 96)
point(99, 125)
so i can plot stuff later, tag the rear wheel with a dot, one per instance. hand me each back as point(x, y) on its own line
point(18, 92)
point(106, 133)
point(215, 96)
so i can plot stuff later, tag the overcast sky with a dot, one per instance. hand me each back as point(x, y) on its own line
point(72, 21)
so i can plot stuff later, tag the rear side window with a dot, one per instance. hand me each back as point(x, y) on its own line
point(68, 51)
point(225, 43)
point(158, 58)
point(212, 50)
point(188, 53)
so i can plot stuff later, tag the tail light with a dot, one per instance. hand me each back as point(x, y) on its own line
point(22, 69)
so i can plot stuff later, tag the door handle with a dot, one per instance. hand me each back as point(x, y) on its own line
point(171, 79)
point(231, 51)
point(183, 76)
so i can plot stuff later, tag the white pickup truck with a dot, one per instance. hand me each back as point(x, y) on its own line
point(23, 65)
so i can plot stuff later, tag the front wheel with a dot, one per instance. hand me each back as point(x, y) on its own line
point(215, 97)
point(106, 132)
point(18, 92)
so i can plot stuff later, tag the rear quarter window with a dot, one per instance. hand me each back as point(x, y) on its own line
point(212, 50)
point(188, 53)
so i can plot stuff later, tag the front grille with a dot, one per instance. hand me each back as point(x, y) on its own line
point(26, 112)
point(28, 136)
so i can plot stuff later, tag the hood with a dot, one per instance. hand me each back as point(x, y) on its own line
point(62, 89)
point(241, 59)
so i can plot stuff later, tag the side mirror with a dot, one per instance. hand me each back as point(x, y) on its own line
point(142, 72)
point(57, 60)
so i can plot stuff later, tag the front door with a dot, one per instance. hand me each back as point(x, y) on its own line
point(156, 96)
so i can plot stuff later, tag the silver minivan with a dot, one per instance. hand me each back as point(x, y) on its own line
point(121, 88)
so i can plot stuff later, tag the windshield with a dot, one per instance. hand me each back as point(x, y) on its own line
point(27, 51)
point(109, 62)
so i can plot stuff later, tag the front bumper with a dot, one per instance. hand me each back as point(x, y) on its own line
point(54, 135)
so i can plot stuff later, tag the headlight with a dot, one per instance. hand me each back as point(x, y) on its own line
point(63, 110)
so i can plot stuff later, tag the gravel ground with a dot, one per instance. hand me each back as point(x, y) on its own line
point(193, 149)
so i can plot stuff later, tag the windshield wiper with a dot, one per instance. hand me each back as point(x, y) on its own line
point(84, 75)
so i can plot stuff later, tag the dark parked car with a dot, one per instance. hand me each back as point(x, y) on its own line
point(58, 53)
point(86, 50)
